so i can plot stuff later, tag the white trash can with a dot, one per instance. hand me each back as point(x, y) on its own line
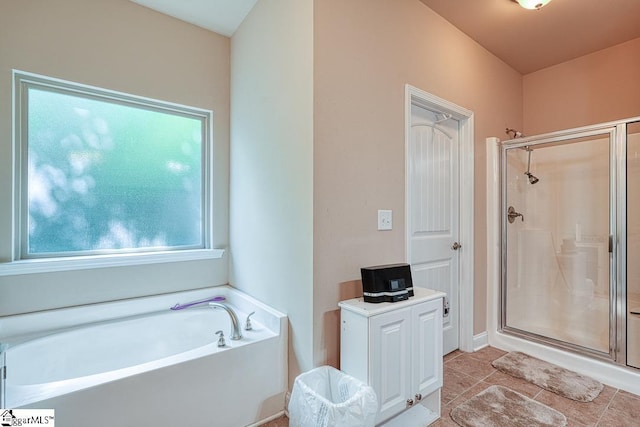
point(327, 397)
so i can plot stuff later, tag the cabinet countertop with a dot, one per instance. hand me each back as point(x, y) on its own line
point(368, 309)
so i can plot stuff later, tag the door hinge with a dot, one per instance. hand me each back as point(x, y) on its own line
point(445, 307)
point(4, 373)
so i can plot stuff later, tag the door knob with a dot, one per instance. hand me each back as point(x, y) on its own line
point(456, 246)
point(409, 402)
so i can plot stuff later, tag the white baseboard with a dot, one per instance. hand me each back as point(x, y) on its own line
point(287, 398)
point(266, 420)
point(480, 341)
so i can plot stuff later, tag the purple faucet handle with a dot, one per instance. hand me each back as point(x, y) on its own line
point(191, 304)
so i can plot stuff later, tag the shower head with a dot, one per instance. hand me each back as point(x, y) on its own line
point(513, 133)
point(532, 178)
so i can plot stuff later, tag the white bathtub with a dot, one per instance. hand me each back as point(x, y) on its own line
point(93, 362)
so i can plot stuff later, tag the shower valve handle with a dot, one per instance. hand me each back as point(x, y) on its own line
point(512, 215)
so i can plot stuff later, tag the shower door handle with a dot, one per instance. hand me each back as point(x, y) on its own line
point(456, 246)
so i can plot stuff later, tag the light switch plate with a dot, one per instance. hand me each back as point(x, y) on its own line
point(385, 219)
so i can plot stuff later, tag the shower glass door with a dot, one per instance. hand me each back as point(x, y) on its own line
point(633, 244)
point(556, 239)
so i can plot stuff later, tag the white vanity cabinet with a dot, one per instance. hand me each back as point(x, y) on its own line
point(397, 349)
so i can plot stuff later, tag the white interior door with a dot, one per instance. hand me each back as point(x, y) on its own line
point(433, 211)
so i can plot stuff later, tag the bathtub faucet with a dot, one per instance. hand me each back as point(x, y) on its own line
point(235, 324)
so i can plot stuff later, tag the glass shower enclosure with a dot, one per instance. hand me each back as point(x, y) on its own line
point(570, 222)
point(633, 245)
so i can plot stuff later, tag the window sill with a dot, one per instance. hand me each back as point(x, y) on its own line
point(33, 266)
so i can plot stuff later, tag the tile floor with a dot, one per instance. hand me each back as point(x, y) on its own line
point(466, 374)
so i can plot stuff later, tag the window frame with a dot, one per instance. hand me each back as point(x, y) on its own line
point(22, 264)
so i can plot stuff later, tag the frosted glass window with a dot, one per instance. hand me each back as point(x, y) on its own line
point(103, 172)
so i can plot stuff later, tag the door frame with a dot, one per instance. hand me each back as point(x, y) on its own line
point(415, 96)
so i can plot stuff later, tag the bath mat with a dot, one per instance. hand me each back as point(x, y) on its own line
point(499, 406)
point(548, 376)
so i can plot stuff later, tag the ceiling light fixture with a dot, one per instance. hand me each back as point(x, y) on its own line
point(532, 4)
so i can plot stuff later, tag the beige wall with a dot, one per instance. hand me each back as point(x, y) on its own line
point(318, 135)
point(118, 45)
point(364, 53)
point(271, 227)
point(595, 88)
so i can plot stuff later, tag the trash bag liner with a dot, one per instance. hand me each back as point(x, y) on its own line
point(327, 397)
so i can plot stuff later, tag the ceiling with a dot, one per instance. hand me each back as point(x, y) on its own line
point(220, 16)
point(529, 40)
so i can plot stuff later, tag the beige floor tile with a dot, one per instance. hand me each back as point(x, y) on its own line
point(471, 366)
point(455, 383)
point(488, 354)
point(452, 355)
point(587, 413)
point(612, 418)
point(627, 403)
point(468, 394)
point(445, 421)
point(516, 384)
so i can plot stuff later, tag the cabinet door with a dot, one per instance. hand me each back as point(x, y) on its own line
point(390, 360)
point(426, 343)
